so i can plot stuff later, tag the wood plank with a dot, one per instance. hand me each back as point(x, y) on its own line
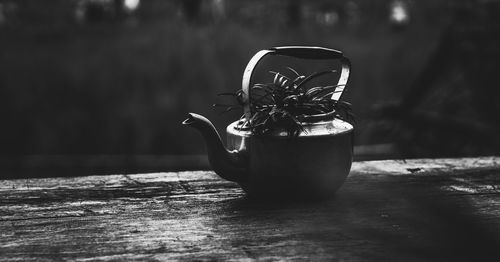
point(423, 209)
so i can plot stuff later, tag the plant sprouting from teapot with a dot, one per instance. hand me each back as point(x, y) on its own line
point(287, 102)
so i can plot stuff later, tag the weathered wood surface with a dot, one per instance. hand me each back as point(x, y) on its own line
point(413, 210)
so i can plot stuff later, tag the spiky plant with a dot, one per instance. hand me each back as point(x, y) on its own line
point(287, 103)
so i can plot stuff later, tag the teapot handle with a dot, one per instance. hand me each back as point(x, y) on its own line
point(302, 52)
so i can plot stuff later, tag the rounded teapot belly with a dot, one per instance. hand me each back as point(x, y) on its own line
point(314, 165)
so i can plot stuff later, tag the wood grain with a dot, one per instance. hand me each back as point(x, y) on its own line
point(403, 210)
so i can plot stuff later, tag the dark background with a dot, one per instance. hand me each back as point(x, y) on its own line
point(101, 86)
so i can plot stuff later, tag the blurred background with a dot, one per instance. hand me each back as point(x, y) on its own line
point(101, 86)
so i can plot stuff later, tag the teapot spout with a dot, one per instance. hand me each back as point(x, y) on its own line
point(230, 165)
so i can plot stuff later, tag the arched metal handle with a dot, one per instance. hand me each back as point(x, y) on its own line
point(302, 52)
point(307, 52)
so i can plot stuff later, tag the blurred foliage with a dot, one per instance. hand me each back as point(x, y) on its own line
point(97, 77)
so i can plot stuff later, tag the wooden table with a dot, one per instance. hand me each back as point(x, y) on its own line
point(413, 210)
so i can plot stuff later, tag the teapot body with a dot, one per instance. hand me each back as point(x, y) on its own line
point(312, 165)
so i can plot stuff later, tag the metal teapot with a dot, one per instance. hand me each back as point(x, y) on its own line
point(313, 164)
